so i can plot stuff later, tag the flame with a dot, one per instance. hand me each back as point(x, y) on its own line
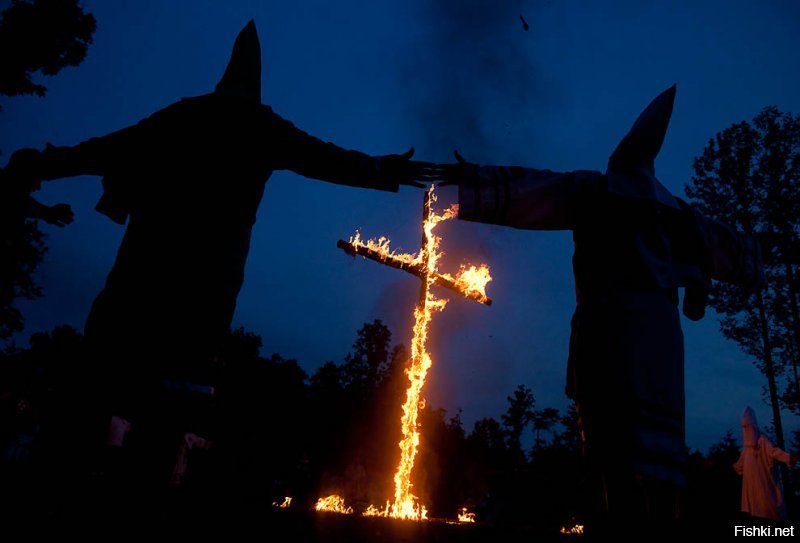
point(576, 529)
point(405, 504)
point(287, 501)
point(381, 245)
point(470, 281)
point(465, 516)
point(334, 504)
point(373, 511)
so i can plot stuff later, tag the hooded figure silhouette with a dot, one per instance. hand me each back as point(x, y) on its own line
point(631, 168)
point(762, 492)
point(188, 181)
point(635, 245)
point(242, 77)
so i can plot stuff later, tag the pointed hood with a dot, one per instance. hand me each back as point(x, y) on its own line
point(631, 168)
point(750, 427)
point(242, 77)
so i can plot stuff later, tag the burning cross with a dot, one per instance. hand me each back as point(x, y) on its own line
point(470, 282)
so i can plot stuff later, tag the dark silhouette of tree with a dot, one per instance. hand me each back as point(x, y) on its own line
point(263, 431)
point(779, 166)
point(22, 249)
point(41, 36)
point(35, 36)
point(487, 454)
point(330, 409)
point(749, 177)
point(726, 450)
point(516, 418)
point(368, 364)
point(278, 433)
point(714, 489)
point(558, 466)
point(487, 439)
point(569, 438)
point(327, 380)
point(241, 345)
point(544, 420)
point(44, 376)
point(442, 463)
point(58, 354)
point(361, 397)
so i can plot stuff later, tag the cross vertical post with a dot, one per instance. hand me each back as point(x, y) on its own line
point(469, 282)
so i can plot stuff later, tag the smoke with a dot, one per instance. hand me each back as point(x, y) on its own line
point(470, 83)
point(471, 79)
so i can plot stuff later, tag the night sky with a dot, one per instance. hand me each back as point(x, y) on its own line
point(438, 75)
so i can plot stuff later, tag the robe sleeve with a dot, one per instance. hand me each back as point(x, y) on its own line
point(33, 208)
point(527, 198)
point(308, 156)
point(95, 156)
point(124, 150)
point(110, 156)
point(730, 256)
point(738, 466)
point(775, 453)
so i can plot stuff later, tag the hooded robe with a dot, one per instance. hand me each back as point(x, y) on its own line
point(188, 181)
point(762, 495)
point(635, 244)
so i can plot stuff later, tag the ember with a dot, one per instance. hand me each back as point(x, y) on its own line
point(466, 516)
point(576, 529)
point(287, 502)
point(333, 504)
point(373, 511)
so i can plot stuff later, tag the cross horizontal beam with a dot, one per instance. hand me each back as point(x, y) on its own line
point(413, 269)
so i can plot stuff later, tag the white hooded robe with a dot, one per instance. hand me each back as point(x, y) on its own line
point(762, 495)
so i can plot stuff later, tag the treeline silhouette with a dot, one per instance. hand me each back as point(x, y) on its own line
point(277, 431)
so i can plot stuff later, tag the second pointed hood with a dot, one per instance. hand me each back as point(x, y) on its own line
point(631, 167)
point(242, 77)
point(750, 427)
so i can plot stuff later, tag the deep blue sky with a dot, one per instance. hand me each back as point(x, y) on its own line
point(382, 76)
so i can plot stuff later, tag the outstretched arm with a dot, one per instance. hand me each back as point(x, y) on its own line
point(95, 156)
point(776, 453)
point(520, 197)
point(17, 201)
point(27, 168)
point(311, 157)
point(57, 215)
point(731, 256)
